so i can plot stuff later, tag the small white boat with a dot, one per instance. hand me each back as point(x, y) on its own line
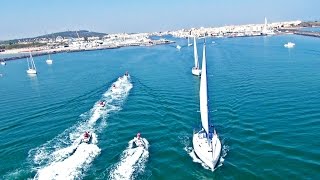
point(49, 60)
point(86, 137)
point(195, 70)
point(138, 141)
point(3, 63)
point(206, 143)
point(178, 47)
point(189, 44)
point(31, 66)
point(289, 45)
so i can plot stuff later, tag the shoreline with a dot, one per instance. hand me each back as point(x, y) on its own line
point(21, 53)
point(24, 53)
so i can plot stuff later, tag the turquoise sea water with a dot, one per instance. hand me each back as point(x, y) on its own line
point(263, 102)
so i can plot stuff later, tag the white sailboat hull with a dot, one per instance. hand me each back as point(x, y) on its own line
point(3, 63)
point(49, 61)
point(196, 71)
point(207, 153)
point(31, 71)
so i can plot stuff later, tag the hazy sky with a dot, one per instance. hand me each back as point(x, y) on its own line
point(28, 18)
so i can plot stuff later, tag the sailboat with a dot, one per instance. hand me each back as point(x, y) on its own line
point(189, 44)
point(265, 30)
point(31, 66)
point(195, 70)
point(49, 60)
point(206, 143)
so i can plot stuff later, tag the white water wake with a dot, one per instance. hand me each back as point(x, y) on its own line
point(132, 160)
point(65, 157)
point(72, 166)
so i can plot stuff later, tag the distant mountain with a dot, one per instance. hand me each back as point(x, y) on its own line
point(65, 34)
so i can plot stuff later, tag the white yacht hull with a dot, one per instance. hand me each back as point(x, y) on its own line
point(209, 154)
point(31, 71)
point(196, 72)
point(49, 61)
point(3, 63)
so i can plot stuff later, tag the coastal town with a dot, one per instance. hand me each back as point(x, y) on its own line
point(55, 44)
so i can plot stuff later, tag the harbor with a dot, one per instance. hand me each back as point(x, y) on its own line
point(59, 44)
point(256, 87)
point(139, 90)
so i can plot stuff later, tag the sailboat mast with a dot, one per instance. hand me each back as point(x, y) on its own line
point(196, 62)
point(28, 63)
point(33, 66)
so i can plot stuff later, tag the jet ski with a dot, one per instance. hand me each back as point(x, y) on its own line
point(138, 141)
point(126, 76)
point(86, 137)
point(102, 104)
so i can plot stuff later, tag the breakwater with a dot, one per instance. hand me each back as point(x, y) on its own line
point(68, 50)
point(307, 33)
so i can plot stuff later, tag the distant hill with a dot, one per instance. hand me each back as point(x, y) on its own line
point(310, 24)
point(73, 34)
point(65, 34)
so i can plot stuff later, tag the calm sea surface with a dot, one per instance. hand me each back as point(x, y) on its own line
point(264, 103)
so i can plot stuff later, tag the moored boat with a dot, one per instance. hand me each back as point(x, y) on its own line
point(195, 70)
point(289, 45)
point(31, 66)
